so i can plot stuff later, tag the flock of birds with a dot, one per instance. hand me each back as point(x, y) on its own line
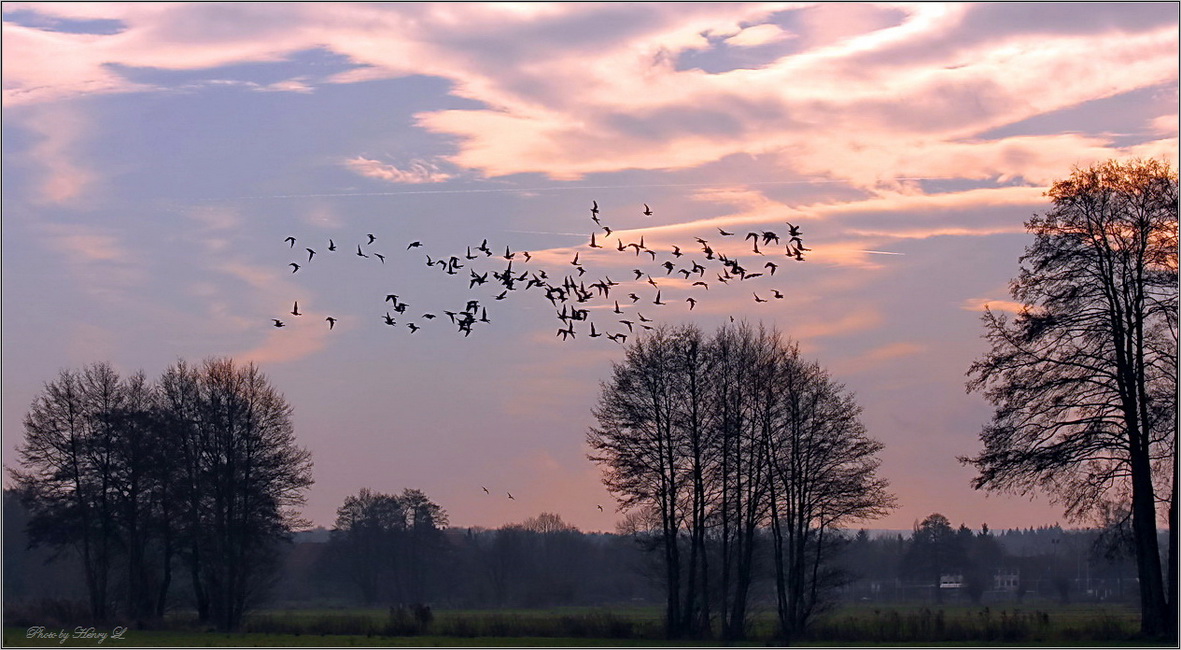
point(572, 295)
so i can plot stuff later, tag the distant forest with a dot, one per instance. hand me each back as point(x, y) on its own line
point(543, 562)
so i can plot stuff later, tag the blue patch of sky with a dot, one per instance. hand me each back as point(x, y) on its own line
point(227, 141)
point(31, 18)
point(311, 64)
point(1124, 116)
point(722, 57)
point(952, 185)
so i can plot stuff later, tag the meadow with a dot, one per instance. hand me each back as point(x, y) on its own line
point(917, 624)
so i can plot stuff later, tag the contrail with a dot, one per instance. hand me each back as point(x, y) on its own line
point(880, 252)
point(550, 189)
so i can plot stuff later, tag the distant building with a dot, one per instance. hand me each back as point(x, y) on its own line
point(1006, 580)
point(951, 581)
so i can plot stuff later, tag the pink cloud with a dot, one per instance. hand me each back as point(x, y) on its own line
point(418, 172)
point(980, 304)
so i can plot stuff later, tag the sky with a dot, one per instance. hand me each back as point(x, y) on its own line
point(157, 156)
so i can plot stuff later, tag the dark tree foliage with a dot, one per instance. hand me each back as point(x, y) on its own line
point(389, 546)
point(1084, 379)
point(721, 447)
point(201, 467)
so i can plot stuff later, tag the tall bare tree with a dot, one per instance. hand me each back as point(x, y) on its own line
point(718, 440)
point(1084, 379)
point(244, 475)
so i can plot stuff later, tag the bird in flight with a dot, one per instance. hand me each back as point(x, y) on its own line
point(331, 322)
point(292, 240)
point(510, 495)
point(758, 299)
point(595, 208)
point(415, 244)
point(600, 508)
point(692, 303)
point(647, 210)
point(359, 253)
point(413, 328)
point(295, 309)
point(311, 253)
point(294, 267)
point(371, 238)
point(724, 233)
point(485, 490)
point(380, 257)
point(278, 323)
point(331, 245)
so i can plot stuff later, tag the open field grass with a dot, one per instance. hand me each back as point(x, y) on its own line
point(856, 625)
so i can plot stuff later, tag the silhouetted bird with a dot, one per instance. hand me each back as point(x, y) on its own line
point(359, 253)
point(510, 495)
point(772, 266)
point(389, 320)
point(677, 251)
point(416, 244)
point(331, 245)
point(594, 207)
point(592, 242)
point(371, 238)
point(278, 323)
point(413, 327)
point(724, 233)
point(628, 323)
point(295, 309)
point(647, 210)
point(795, 231)
point(600, 508)
point(527, 255)
point(485, 490)
point(311, 253)
point(331, 322)
point(692, 303)
point(380, 257)
point(593, 333)
point(292, 240)
point(294, 267)
point(390, 297)
point(758, 299)
point(777, 294)
point(700, 283)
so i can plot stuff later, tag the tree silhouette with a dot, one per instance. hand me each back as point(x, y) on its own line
point(716, 441)
point(1084, 378)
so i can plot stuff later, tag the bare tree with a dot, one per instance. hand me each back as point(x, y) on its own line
point(718, 440)
point(1084, 379)
point(68, 468)
point(823, 478)
point(244, 475)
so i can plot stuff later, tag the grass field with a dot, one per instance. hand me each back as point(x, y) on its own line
point(893, 625)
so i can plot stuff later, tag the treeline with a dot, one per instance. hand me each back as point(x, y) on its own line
point(394, 549)
point(185, 484)
point(738, 461)
point(990, 567)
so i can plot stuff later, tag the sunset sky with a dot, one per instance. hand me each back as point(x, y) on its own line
point(156, 156)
